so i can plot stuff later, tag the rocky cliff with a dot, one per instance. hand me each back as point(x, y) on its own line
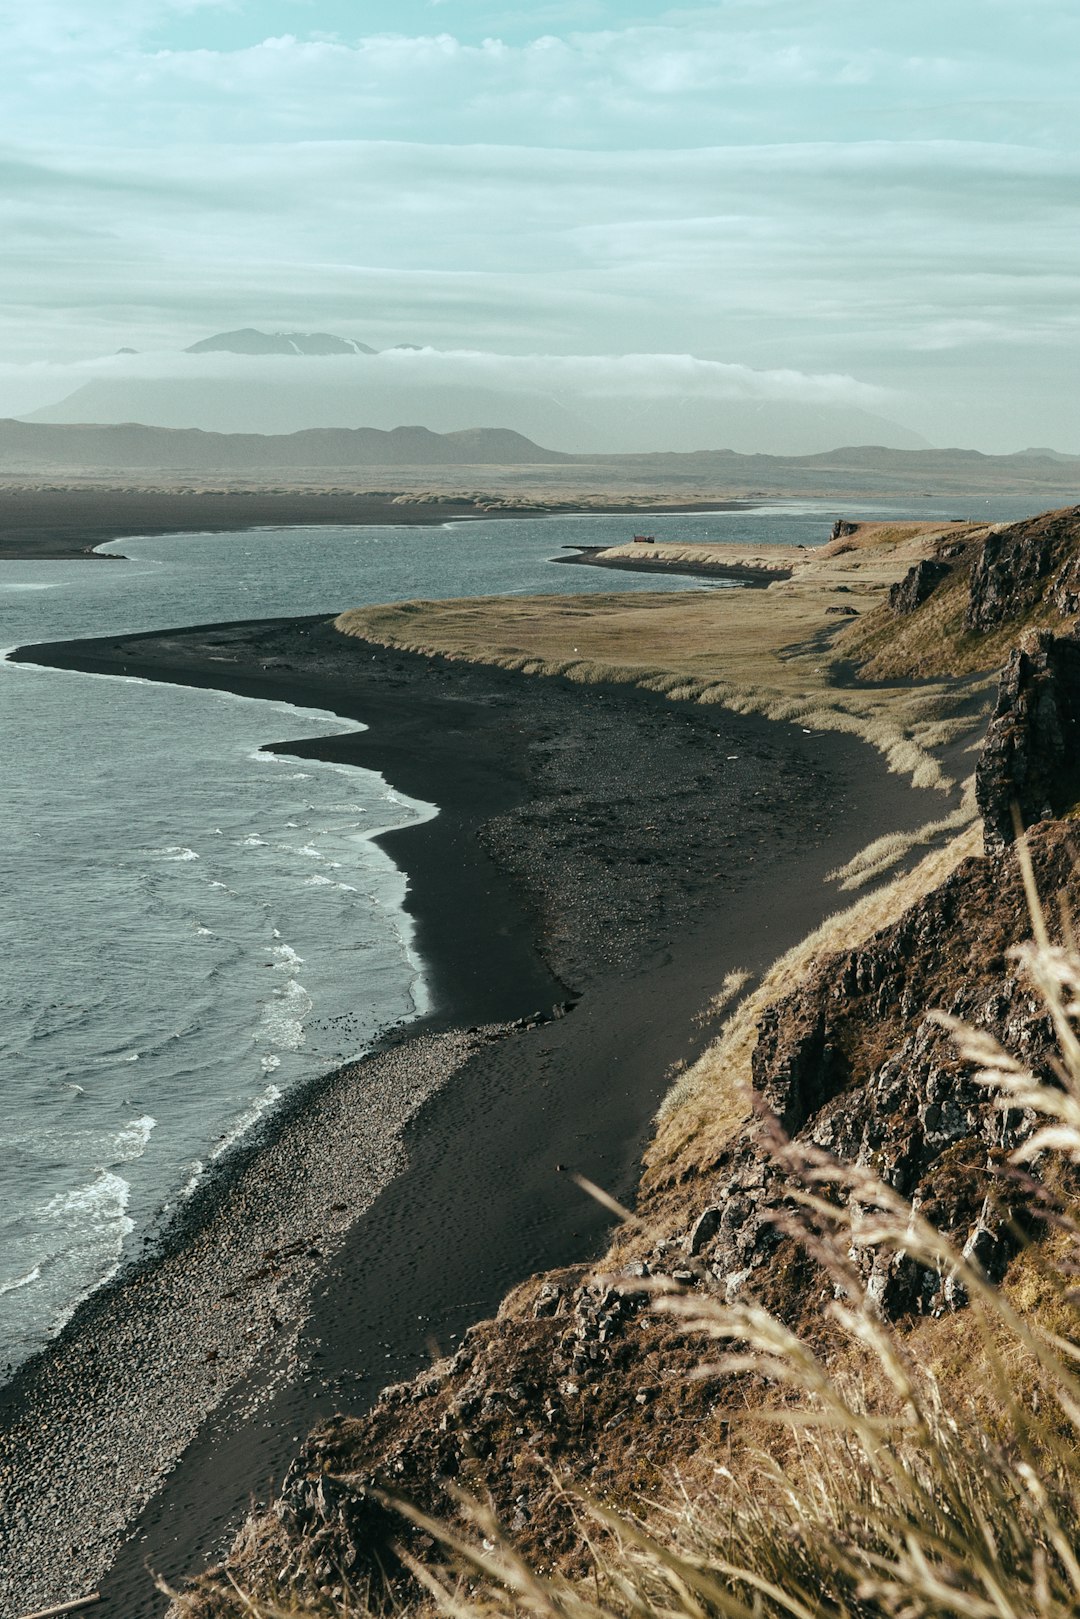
point(1022, 566)
point(961, 608)
point(1030, 764)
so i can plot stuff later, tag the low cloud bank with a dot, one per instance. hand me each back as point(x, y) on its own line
point(579, 403)
point(648, 376)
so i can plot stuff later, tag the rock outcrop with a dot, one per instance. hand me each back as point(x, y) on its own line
point(854, 1063)
point(1023, 565)
point(1030, 760)
point(917, 585)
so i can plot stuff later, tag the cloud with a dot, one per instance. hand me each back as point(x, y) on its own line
point(679, 83)
point(828, 256)
point(580, 377)
point(65, 28)
point(570, 402)
point(882, 193)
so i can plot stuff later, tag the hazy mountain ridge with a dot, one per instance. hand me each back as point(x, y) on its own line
point(356, 397)
point(132, 445)
point(232, 405)
point(92, 448)
point(236, 382)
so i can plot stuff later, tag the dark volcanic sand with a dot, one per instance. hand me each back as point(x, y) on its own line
point(45, 524)
point(605, 825)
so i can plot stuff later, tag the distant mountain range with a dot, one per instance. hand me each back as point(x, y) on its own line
point(611, 425)
point(35, 449)
point(447, 397)
point(232, 415)
point(130, 446)
point(278, 406)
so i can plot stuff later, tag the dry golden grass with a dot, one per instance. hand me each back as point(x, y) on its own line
point(767, 652)
point(883, 853)
point(734, 983)
point(769, 558)
point(903, 540)
point(935, 641)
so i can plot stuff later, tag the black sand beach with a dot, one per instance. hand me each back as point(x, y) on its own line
point(43, 522)
point(601, 856)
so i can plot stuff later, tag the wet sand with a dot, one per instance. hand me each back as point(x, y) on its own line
point(602, 857)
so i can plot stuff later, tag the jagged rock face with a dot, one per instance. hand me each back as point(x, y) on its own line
point(1020, 565)
point(1031, 756)
point(578, 1377)
point(853, 1062)
point(917, 585)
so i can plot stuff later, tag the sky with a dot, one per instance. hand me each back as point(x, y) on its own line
point(878, 200)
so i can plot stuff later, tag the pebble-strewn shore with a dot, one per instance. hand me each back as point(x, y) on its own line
point(99, 1425)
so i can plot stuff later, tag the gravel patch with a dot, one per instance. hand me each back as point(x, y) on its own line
point(97, 1421)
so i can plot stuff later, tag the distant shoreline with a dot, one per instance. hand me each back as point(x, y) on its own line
point(54, 523)
point(592, 556)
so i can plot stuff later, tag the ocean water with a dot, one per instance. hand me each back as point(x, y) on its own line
point(193, 925)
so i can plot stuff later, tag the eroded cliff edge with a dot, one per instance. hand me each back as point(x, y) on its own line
point(576, 1378)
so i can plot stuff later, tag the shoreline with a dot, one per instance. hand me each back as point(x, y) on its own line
point(60, 523)
point(591, 556)
point(478, 1202)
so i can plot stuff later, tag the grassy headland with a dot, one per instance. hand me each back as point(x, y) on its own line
point(785, 652)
